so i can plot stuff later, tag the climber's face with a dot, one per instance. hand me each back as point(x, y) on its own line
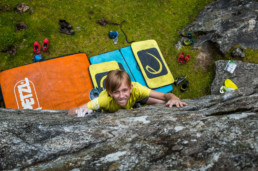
point(122, 94)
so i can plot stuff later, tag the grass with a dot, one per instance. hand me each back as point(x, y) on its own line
point(145, 19)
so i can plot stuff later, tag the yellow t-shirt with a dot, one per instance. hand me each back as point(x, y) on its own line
point(104, 101)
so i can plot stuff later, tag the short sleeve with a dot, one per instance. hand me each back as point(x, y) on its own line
point(102, 102)
point(140, 91)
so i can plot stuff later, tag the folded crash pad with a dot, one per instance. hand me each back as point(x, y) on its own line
point(98, 72)
point(59, 84)
point(136, 72)
point(112, 56)
point(152, 63)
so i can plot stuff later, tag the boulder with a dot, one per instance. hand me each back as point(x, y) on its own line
point(215, 132)
point(245, 76)
point(226, 23)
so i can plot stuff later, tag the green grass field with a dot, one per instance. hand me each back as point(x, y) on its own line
point(161, 20)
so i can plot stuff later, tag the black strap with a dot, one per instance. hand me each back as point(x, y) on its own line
point(1, 98)
point(124, 32)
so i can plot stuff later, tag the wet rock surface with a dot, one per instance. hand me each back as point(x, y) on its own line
point(227, 23)
point(216, 132)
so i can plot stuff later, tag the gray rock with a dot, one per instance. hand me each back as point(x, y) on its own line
point(21, 8)
point(216, 132)
point(178, 45)
point(238, 53)
point(227, 23)
point(245, 76)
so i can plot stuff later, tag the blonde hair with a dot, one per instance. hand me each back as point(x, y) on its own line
point(115, 78)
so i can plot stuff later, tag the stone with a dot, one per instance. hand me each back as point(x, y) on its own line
point(178, 45)
point(226, 23)
point(245, 76)
point(21, 8)
point(238, 53)
point(212, 132)
point(204, 57)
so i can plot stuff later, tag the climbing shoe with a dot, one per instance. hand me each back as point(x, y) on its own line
point(65, 24)
point(179, 80)
point(187, 58)
point(188, 41)
point(181, 58)
point(184, 86)
point(67, 31)
point(45, 45)
point(36, 47)
point(65, 27)
point(187, 34)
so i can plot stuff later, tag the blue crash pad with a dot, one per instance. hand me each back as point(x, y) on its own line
point(112, 56)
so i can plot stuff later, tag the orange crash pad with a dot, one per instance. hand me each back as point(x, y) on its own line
point(59, 84)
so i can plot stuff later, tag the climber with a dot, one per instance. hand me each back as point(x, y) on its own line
point(121, 93)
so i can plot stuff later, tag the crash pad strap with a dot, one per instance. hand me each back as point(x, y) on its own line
point(1, 98)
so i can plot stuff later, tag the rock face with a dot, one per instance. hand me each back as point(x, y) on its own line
point(226, 23)
point(216, 132)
